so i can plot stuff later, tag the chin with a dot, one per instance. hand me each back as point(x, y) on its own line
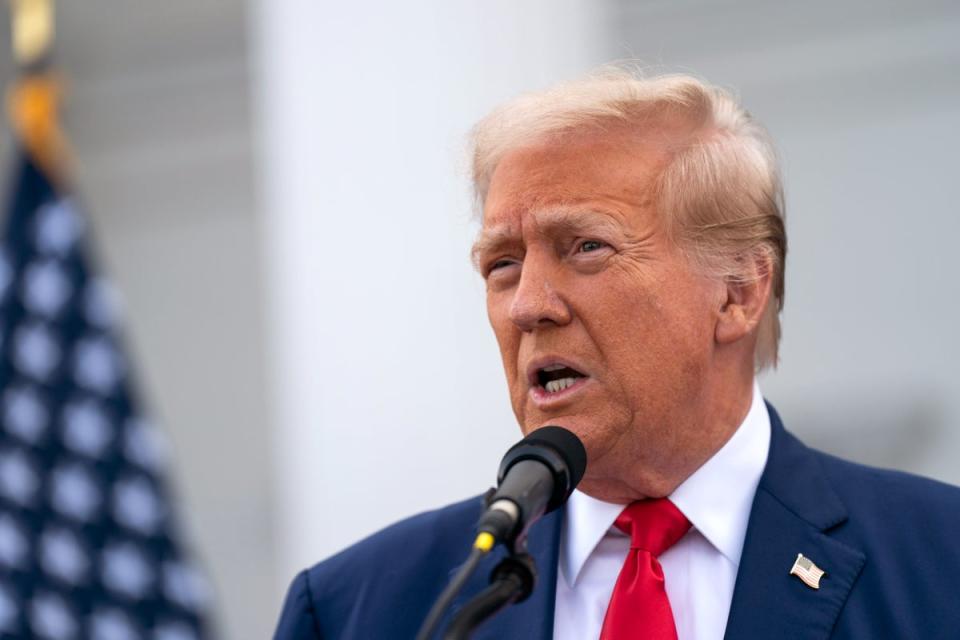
point(592, 435)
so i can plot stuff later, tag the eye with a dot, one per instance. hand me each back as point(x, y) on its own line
point(499, 264)
point(590, 245)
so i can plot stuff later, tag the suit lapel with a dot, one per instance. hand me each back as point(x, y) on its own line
point(532, 619)
point(793, 512)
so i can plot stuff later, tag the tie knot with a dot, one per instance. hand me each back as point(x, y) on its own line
point(653, 525)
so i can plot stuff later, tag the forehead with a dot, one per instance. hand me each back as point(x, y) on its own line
point(607, 174)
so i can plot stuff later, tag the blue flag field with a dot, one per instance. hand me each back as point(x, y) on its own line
point(88, 538)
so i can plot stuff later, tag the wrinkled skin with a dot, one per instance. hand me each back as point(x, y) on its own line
point(579, 269)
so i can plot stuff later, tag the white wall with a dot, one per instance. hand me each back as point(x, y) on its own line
point(387, 389)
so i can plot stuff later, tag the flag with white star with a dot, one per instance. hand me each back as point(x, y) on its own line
point(88, 539)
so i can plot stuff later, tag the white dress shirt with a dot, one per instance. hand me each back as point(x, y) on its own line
point(699, 570)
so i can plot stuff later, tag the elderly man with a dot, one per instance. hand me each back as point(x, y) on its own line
point(633, 250)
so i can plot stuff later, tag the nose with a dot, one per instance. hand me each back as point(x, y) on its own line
point(536, 302)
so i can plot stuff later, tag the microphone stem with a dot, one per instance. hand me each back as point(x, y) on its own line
point(512, 581)
point(484, 605)
point(432, 621)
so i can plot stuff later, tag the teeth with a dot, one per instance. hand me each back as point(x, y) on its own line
point(559, 385)
point(554, 367)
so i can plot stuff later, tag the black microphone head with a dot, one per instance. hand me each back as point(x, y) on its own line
point(567, 444)
point(557, 448)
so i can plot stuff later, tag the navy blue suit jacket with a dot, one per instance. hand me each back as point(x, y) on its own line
point(885, 539)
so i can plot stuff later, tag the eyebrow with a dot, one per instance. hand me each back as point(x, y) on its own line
point(491, 240)
point(550, 221)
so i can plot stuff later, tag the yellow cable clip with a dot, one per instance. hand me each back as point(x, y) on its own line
point(484, 542)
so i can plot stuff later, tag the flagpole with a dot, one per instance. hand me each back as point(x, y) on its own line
point(34, 98)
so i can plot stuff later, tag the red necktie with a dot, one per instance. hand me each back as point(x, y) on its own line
point(639, 607)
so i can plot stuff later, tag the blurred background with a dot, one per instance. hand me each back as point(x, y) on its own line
point(280, 196)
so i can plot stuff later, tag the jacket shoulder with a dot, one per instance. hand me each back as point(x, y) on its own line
point(881, 504)
point(400, 569)
point(886, 492)
point(403, 544)
point(298, 618)
point(904, 524)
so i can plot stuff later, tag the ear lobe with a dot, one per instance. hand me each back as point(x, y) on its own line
point(746, 299)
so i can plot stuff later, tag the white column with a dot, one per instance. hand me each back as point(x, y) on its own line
point(386, 384)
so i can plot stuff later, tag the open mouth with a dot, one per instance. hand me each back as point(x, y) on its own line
point(555, 378)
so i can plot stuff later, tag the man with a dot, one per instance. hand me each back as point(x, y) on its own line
point(633, 250)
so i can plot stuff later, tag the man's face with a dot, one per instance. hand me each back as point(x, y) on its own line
point(603, 325)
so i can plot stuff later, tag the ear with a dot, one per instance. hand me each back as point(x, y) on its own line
point(745, 300)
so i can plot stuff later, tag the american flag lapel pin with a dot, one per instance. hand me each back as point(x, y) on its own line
point(807, 571)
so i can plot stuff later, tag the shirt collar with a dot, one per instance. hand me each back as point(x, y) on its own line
point(716, 499)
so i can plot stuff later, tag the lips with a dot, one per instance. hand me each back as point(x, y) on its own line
point(554, 378)
point(557, 377)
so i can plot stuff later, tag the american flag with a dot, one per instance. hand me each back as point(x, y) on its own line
point(88, 544)
point(807, 571)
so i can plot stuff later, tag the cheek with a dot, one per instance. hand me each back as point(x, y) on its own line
point(651, 333)
point(508, 338)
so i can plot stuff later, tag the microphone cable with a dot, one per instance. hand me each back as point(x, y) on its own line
point(481, 546)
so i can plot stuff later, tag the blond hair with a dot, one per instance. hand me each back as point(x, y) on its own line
point(720, 192)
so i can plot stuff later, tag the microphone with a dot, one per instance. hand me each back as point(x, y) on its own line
point(536, 476)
